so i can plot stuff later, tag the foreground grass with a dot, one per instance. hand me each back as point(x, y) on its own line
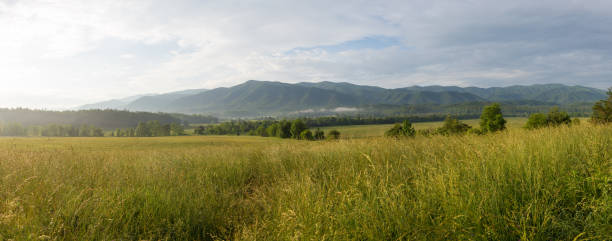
point(548, 184)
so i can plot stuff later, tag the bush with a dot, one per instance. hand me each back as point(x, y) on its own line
point(306, 135)
point(333, 135)
point(453, 126)
point(536, 120)
point(474, 131)
point(427, 132)
point(319, 135)
point(554, 118)
point(404, 130)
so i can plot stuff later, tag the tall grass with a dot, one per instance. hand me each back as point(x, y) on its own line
point(548, 184)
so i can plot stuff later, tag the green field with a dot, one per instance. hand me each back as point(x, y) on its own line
point(547, 184)
point(363, 131)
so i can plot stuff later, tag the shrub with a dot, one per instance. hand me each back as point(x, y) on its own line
point(306, 135)
point(556, 117)
point(474, 131)
point(453, 126)
point(319, 135)
point(553, 118)
point(536, 120)
point(403, 130)
point(333, 135)
point(427, 132)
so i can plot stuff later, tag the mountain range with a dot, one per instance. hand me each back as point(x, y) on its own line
point(259, 98)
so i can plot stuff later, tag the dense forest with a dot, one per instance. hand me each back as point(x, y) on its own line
point(51, 130)
point(105, 119)
point(143, 129)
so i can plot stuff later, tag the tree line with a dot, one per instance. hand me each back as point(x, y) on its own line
point(150, 129)
point(52, 130)
point(602, 114)
point(492, 120)
point(105, 119)
point(296, 129)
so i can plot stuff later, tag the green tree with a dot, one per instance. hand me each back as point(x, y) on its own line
point(142, 130)
point(319, 134)
point(154, 128)
point(165, 130)
point(13, 129)
point(84, 130)
point(602, 110)
point(97, 132)
point(261, 131)
point(556, 117)
point(177, 129)
point(284, 129)
point(492, 119)
point(271, 130)
point(297, 127)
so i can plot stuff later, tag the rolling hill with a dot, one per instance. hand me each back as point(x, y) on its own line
point(260, 98)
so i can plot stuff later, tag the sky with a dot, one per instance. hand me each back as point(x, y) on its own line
point(57, 54)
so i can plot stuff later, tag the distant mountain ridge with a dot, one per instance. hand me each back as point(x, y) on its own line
point(141, 102)
point(259, 98)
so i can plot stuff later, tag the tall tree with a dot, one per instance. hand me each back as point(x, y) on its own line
point(297, 127)
point(284, 129)
point(177, 129)
point(492, 119)
point(602, 110)
point(142, 130)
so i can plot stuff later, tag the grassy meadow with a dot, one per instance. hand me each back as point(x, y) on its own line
point(546, 184)
point(365, 131)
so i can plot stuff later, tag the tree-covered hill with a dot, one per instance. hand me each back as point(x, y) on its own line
point(550, 93)
point(264, 98)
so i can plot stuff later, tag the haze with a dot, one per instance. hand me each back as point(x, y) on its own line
point(60, 54)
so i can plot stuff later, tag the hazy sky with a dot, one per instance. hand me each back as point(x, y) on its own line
point(65, 53)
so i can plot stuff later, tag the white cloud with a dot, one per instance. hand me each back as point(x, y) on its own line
point(75, 51)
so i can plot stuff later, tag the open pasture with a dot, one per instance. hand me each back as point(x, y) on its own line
point(363, 131)
point(547, 184)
